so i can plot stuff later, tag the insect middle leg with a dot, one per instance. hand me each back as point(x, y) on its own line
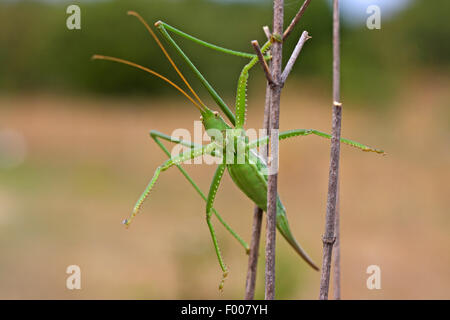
point(156, 136)
point(174, 161)
point(209, 204)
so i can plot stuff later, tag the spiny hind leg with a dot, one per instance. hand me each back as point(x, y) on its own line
point(212, 92)
point(209, 204)
point(156, 136)
point(204, 43)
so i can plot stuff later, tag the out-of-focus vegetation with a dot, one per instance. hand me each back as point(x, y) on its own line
point(85, 167)
point(38, 52)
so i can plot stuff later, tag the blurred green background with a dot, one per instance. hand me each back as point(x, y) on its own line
point(39, 53)
point(75, 152)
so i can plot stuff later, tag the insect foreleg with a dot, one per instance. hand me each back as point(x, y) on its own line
point(188, 155)
point(305, 132)
point(158, 135)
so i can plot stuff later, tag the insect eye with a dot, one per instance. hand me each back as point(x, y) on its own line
point(216, 113)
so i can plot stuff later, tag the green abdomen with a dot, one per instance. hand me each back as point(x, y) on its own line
point(251, 182)
point(254, 185)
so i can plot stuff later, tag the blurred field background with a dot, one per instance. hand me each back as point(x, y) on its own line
point(75, 152)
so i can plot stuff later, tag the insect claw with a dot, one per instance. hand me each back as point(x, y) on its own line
point(222, 282)
point(126, 222)
point(276, 37)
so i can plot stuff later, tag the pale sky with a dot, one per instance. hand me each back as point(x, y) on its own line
point(353, 11)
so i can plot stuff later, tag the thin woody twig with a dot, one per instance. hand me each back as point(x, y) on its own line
point(337, 253)
point(275, 95)
point(296, 19)
point(298, 48)
point(253, 254)
point(267, 32)
point(251, 273)
point(329, 236)
point(257, 216)
point(262, 62)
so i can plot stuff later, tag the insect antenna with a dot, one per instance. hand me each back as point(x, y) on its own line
point(135, 65)
point(163, 49)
